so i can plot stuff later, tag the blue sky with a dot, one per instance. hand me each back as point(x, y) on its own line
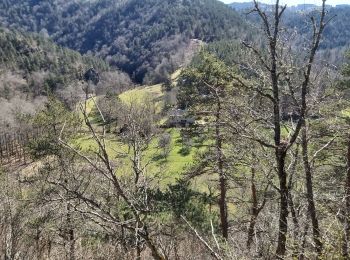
point(294, 2)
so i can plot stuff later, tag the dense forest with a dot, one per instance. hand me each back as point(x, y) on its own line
point(33, 67)
point(297, 20)
point(147, 39)
point(240, 149)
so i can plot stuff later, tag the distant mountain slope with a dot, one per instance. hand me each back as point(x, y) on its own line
point(27, 54)
point(336, 34)
point(145, 38)
point(300, 7)
point(32, 67)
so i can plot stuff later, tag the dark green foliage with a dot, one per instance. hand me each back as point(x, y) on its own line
point(49, 123)
point(167, 85)
point(181, 200)
point(92, 75)
point(201, 83)
point(142, 38)
point(185, 150)
point(228, 51)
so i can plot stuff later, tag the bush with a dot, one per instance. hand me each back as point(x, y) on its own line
point(164, 143)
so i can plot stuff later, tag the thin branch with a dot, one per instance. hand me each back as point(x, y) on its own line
point(321, 149)
point(201, 239)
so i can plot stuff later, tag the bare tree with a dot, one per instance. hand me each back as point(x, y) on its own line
point(137, 130)
point(277, 70)
point(134, 199)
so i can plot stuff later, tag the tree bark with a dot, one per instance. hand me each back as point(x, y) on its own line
point(70, 234)
point(254, 211)
point(283, 215)
point(296, 226)
point(155, 252)
point(222, 175)
point(346, 236)
point(310, 193)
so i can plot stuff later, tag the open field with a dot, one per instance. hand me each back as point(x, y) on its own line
point(164, 170)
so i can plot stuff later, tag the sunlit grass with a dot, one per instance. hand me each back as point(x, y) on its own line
point(144, 94)
point(164, 170)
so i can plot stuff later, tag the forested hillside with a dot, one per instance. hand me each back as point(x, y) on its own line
point(336, 34)
point(33, 67)
point(297, 19)
point(148, 39)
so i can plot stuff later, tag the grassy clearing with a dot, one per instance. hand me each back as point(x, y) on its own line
point(163, 171)
point(143, 94)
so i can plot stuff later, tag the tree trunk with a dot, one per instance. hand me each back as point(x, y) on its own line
point(346, 236)
point(254, 215)
point(296, 226)
point(274, 67)
point(283, 215)
point(155, 252)
point(37, 243)
point(70, 233)
point(223, 207)
point(69, 239)
point(254, 211)
point(222, 176)
point(303, 244)
point(310, 193)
